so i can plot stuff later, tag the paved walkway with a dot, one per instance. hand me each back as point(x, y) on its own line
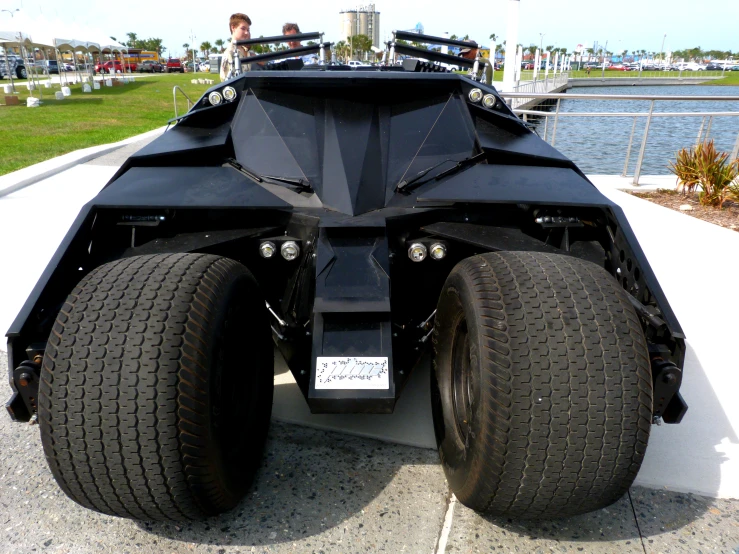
point(323, 488)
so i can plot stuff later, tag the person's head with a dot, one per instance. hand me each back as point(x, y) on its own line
point(239, 26)
point(291, 29)
point(469, 52)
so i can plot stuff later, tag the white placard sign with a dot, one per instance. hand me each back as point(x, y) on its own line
point(349, 372)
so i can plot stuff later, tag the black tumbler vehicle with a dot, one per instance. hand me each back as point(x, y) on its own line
point(358, 218)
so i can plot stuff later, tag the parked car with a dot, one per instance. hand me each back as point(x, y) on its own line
point(68, 66)
point(204, 66)
point(15, 65)
point(114, 66)
point(553, 348)
point(111, 66)
point(150, 66)
point(174, 65)
point(47, 66)
point(714, 67)
point(733, 68)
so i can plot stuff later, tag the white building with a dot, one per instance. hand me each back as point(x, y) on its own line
point(363, 20)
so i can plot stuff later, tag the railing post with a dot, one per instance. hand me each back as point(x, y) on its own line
point(637, 170)
point(628, 149)
point(735, 152)
point(546, 124)
point(700, 132)
point(556, 118)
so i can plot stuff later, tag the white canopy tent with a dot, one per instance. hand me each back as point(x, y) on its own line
point(17, 40)
point(42, 34)
point(108, 46)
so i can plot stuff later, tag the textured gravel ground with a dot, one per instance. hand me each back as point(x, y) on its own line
point(329, 492)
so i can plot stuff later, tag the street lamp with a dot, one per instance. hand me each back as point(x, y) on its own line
point(11, 12)
point(194, 65)
point(605, 53)
point(662, 49)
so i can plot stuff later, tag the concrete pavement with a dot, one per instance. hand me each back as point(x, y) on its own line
point(328, 485)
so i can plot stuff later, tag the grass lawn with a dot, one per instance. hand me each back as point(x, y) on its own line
point(110, 114)
point(731, 78)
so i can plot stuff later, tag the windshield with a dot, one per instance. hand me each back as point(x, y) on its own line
point(364, 140)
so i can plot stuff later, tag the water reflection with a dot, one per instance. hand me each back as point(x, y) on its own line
point(598, 145)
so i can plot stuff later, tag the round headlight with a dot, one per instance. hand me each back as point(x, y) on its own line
point(267, 249)
point(488, 101)
point(215, 98)
point(229, 93)
point(290, 250)
point(438, 251)
point(475, 95)
point(417, 252)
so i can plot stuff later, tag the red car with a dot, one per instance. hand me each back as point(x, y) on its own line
point(174, 65)
point(113, 66)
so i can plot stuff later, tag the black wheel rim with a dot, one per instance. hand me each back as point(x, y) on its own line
point(462, 381)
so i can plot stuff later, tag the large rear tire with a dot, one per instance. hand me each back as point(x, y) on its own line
point(541, 386)
point(156, 387)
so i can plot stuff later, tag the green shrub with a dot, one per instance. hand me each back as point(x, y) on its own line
point(707, 171)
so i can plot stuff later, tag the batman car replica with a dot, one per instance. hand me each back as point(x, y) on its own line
point(359, 219)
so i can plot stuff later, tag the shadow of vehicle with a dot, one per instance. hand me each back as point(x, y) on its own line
point(312, 481)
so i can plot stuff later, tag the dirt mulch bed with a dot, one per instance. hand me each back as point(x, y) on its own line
point(727, 217)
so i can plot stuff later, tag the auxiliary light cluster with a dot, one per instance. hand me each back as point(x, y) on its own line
point(290, 250)
point(418, 252)
point(228, 93)
point(488, 100)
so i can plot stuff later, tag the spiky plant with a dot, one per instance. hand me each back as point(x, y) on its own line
point(708, 171)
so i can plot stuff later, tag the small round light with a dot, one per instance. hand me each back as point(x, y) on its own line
point(488, 101)
point(417, 252)
point(438, 251)
point(267, 249)
point(290, 250)
point(475, 95)
point(215, 98)
point(229, 93)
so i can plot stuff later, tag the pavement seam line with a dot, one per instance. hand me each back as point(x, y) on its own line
point(447, 527)
point(636, 520)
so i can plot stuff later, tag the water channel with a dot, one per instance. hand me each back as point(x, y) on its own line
point(598, 145)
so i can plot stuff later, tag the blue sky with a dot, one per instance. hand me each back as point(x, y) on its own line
point(711, 24)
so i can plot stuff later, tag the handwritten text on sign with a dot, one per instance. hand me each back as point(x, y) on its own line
point(352, 373)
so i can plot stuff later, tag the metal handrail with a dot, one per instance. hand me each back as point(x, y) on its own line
point(190, 103)
point(649, 115)
point(567, 96)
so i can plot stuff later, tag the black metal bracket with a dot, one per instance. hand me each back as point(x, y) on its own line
point(666, 379)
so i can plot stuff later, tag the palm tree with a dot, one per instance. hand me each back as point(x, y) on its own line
point(493, 37)
point(156, 45)
point(219, 44)
point(205, 48)
point(341, 48)
point(186, 46)
point(132, 39)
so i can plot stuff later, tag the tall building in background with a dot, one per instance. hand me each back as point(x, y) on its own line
point(363, 20)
